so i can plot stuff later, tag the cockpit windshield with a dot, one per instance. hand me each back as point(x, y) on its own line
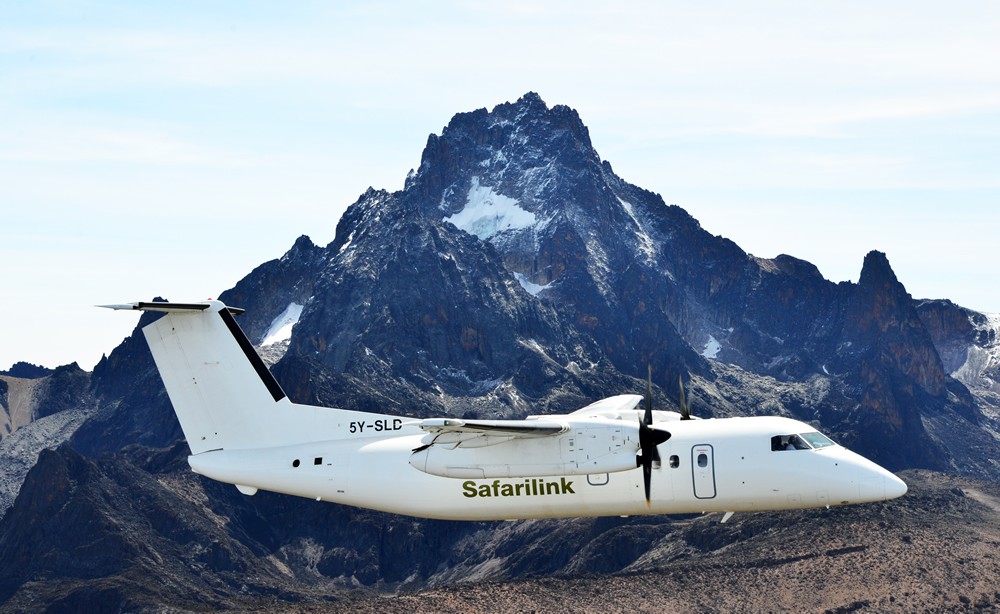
point(817, 440)
point(802, 441)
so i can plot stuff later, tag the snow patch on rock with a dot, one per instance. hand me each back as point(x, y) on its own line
point(712, 347)
point(487, 213)
point(646, 244)
point(532, 288)
point(281, 326)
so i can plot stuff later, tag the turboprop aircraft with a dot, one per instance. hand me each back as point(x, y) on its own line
point(242, 429)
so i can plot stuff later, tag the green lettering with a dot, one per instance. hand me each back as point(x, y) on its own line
point(528, 488)
point(567, 487)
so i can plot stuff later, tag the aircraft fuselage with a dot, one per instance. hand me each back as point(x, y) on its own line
point(605, 459)
point(708, 465)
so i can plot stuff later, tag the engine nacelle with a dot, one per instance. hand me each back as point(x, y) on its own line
point(586, 447)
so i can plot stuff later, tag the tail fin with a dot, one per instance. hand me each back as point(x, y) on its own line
point(221, 390)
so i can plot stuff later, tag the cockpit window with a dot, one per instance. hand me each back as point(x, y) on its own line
point(803, 441)
point(788, 442)
point(817, 440)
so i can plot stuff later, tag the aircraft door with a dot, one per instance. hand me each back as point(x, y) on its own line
point(341, 465)
point(703, 471)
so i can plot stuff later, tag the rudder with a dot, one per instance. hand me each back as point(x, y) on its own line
point(222, 392)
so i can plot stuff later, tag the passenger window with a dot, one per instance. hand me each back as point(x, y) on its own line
point(675, 461)
point(703, 460)
point(318, 460)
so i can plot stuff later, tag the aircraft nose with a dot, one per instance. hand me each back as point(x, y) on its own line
point(894, 487)
point(881, 487)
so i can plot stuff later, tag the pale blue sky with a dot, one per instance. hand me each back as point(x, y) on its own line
point(168, 148)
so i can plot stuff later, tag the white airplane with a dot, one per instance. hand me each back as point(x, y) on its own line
point(242, 429)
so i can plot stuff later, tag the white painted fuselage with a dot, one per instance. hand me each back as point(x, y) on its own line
point(243, 430)
point(738, 472)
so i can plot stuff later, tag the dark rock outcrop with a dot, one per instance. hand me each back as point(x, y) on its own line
point(26, 370)
point(133, 406)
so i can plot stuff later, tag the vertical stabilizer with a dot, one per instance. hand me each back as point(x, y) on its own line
point(221, 390)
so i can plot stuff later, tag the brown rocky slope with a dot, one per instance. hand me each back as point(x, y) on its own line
point(937, 549)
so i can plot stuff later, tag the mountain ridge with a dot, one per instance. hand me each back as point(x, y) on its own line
point(513, 274)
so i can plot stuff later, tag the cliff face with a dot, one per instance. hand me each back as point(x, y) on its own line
point(887, 321)
point(39, 408)
point(133, 407)
point(898, 370)
point(969, 346)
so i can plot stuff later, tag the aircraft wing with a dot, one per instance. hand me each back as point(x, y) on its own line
point(454, 433)
point(512, 428)
point(611, 405)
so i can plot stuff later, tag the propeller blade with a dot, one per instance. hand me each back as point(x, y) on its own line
point(685, 412)
point(649, 456)
point(647, 474)
point(649, 438)
point(645, 458)
point(648, 418)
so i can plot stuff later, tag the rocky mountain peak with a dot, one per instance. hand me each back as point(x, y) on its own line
point(524, 151)
point(876, 271)
point(884, 304)
point(303, 247)
point(900, 374)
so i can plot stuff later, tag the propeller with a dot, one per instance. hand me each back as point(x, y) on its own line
point(685, 410)
point(649, 438)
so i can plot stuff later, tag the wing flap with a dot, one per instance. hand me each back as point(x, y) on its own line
point(513, 428)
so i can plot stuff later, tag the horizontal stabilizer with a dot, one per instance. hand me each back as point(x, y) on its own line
point(169, 307)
